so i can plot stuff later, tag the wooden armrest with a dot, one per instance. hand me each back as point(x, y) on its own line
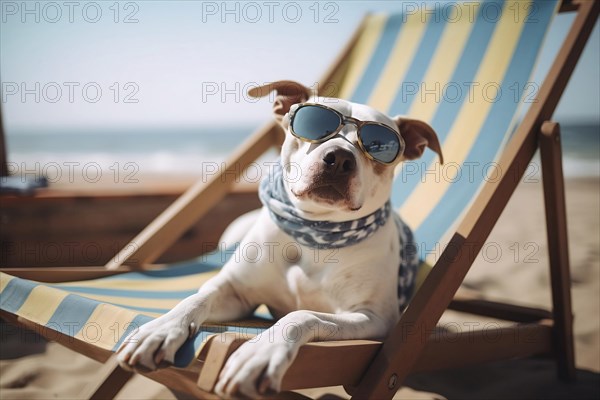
point(321, 364)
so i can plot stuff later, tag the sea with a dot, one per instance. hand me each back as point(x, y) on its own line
point(197, 151)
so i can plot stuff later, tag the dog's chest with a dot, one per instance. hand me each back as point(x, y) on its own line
point(308, 286)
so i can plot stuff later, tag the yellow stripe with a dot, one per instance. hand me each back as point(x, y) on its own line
point(362, 53)
point(105, 326)
point(166, 304)
point(4, 279)
point(190, 282)
point(468, 123)
point(436, 253)
point(405, 48)
point(41, 304)
point(442, 65)
point(262, 309)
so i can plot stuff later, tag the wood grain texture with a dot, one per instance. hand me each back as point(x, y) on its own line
point(556, 227)
point(52, 230)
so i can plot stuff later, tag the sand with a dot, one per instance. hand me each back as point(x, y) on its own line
point(513, 267)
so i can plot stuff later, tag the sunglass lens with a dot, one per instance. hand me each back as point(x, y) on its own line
point(314, 123)
point(380, 142)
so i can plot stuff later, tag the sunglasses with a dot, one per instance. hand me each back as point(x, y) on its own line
point(316, 123)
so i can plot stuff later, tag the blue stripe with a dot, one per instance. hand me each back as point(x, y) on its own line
point(135, 323)
point(134, 294)
point(470, 61)
point(187, 352)
point(420, 64)
point(466, 69)
point(494, 129)
point(15, 293)
point(72, 314)
point(205, 263)
point(379, 59)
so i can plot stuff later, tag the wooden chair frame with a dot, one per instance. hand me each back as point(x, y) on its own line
point(375, 369)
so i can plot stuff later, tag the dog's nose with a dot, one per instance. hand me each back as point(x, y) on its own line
point(339, 162)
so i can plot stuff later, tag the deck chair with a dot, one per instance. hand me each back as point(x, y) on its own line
point(380, 65)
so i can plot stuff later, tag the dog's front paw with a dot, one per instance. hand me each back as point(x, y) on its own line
point(255, 369)
point(154, 344)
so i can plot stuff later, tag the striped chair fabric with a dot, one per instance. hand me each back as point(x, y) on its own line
point(463, 68)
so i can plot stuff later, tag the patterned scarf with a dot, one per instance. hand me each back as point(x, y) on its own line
point(316, 234)
point(332, 235)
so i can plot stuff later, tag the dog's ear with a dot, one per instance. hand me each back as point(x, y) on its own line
point(288, 94)
point(418, 135)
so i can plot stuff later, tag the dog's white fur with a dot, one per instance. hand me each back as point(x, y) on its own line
point(350, 293)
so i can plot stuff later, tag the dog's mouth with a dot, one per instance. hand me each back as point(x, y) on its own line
point(329, 193)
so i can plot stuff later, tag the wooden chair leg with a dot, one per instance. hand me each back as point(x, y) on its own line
point(108, 381)
point(556, 225)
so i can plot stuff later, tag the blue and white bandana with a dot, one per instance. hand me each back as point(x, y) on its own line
point(332, 235)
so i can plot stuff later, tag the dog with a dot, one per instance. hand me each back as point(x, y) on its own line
point(331, 191)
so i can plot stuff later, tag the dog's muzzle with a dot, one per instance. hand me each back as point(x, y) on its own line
point(332, 176)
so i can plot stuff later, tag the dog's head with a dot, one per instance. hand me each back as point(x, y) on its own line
point(335, 179)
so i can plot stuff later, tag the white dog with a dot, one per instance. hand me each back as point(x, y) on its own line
point(335, 263)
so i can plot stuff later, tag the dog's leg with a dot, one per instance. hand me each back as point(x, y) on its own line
point(158, 340)
point(258, 365)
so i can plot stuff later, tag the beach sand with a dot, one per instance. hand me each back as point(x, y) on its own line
point(512, 267)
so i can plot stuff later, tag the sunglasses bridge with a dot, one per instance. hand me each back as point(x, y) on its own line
point(345, 120)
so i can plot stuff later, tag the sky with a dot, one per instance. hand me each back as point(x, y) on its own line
point(176, 64)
